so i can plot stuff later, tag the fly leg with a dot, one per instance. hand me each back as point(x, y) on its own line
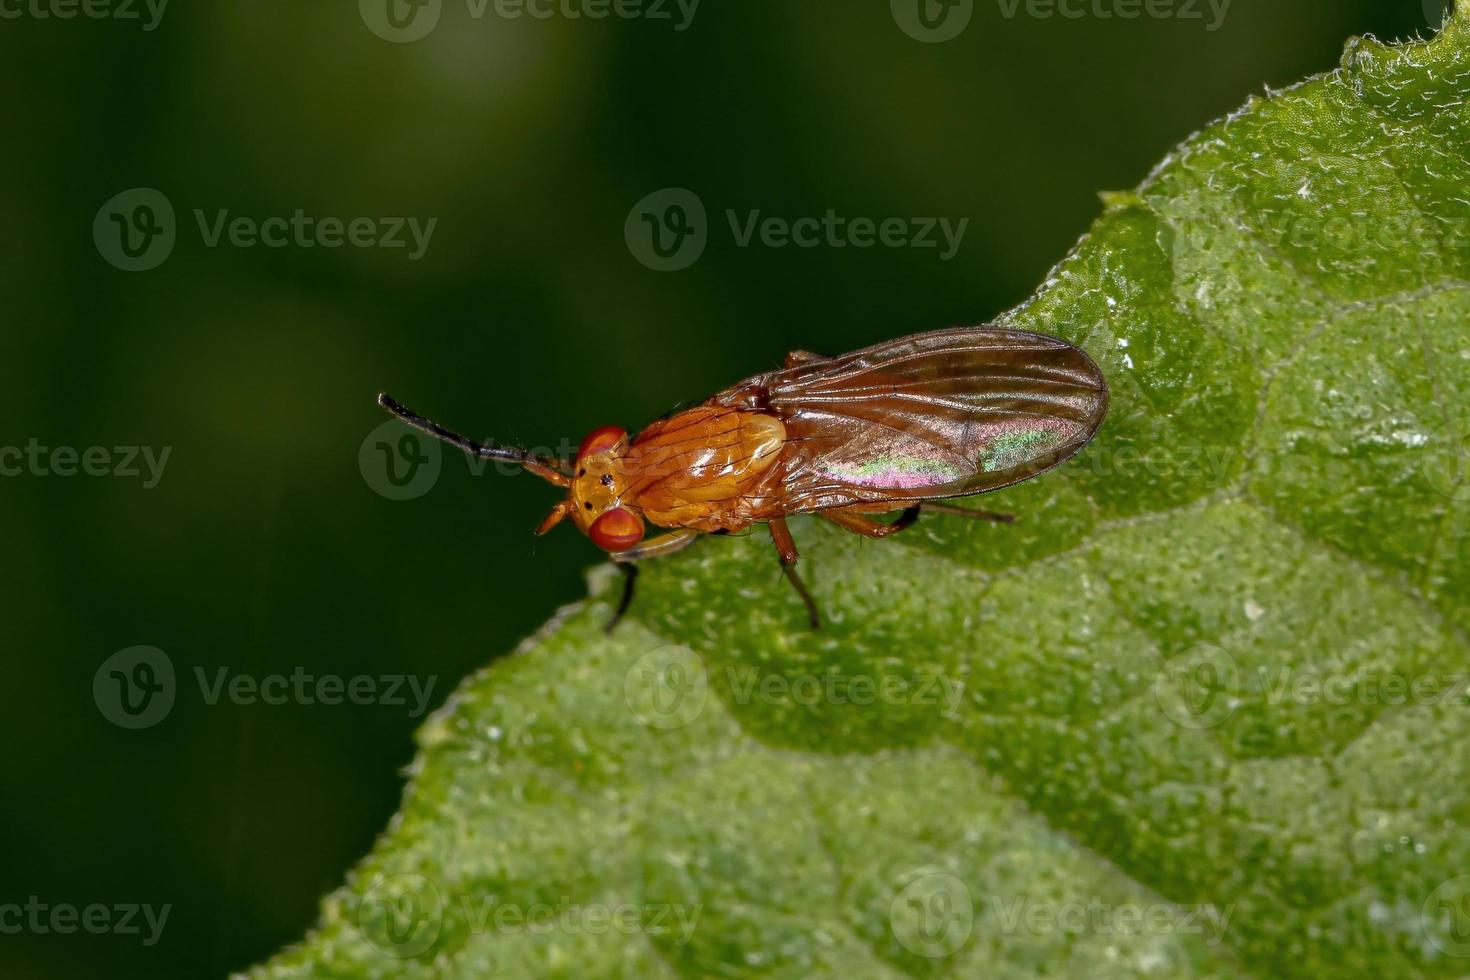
point(858, 524)
point(786, 548)
point(665, 544)
point(866, 526)
point(983, 515)
point(630, 576)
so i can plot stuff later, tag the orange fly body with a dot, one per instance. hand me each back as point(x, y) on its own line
point(900, 426)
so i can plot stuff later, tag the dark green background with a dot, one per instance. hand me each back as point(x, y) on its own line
point(263, 549)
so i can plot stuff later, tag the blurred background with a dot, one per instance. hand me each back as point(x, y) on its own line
point(228, 226)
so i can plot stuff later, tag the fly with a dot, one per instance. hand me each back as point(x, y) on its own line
point(900, 426)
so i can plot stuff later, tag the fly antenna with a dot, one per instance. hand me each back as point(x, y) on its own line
point(548, 469)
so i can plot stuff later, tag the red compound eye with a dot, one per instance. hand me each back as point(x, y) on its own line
point(617, 530)
point(601, 440)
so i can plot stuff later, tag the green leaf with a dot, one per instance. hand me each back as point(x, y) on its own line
point(1200, 712)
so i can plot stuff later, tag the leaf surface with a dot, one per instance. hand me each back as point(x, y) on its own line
point(1201, 712)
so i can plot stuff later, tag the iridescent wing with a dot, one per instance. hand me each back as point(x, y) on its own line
point(942, 414)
